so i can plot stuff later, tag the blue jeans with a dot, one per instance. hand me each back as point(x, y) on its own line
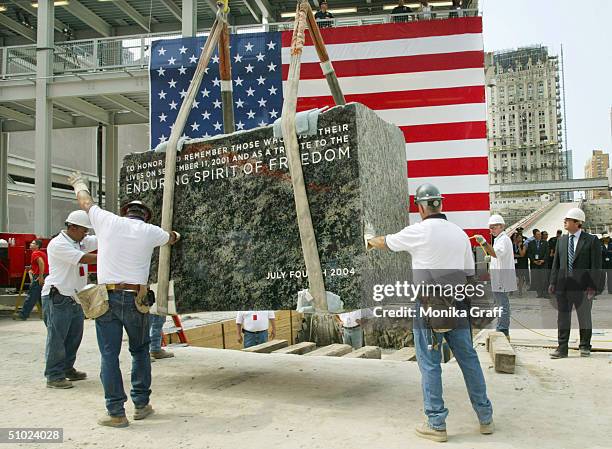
point(255, 339)
point(31, 299)
point(460, 343)
point(122, 313)
point(157, 323)
point(503, 323)
point(353, 337)
point(64, 320)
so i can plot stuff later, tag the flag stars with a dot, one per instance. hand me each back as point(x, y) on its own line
point(193, 59)
point(271, 45)
point(172, 83)
point(248, 46)
point(237, 58)
point(273, 113)
point(173, 104)
point(216, 82)
point(238, 81)
point(162, 95)
point(182, 70)
point(183, 93)
point(195, 126)
point(182, 50)
point(261, 80)
point(217, 104)
point(262, 102)
point(251, 114)
point(217, 126)
point(260, 56)
point(262, 123)
point(162, 138)
point(272, 90)
point(161, 51)
point(215, 59)
point(271, 67)
point(162, 117)
point(171, 61)
point(249, 68)
point(161, 71)
point(239, 103)
point(239, 125)
point(195, 104)
point(205, 92)
point(206, 115)
point(250, 91)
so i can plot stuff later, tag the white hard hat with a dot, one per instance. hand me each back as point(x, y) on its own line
point(79, 218)
point(575, 214)
point(496, 219)
point(3, 243)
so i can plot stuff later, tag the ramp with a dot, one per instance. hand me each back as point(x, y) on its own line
point(551, 221)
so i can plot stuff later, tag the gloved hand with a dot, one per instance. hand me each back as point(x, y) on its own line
point(480, 239)
point(77, 182)
point(368, 234)
point(177, 237)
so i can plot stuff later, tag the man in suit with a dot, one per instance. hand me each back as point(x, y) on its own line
point(575, 275)
point(537, 252)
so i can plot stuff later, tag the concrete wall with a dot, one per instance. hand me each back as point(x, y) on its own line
point(598, 215)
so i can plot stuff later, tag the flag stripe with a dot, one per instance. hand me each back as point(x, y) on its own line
point(431, 115)
point(397, 48)
point(465, 220)
point(403, 99)
point(453, 184)
point(445, 131)
point(448, 167)
point(460, 202)
point(398, 64)
point(446, 149)
point(439, 79)
point(390, 32)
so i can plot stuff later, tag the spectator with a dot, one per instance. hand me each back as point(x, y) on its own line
point(254, 326)
point(456, 9)
point(607, 260)
point(39, 269)
point(425, 11)
point(537, 251)
point(323, 15)
point(521, 263)
point(552, 247)
point(352, 333)
point(402, 9)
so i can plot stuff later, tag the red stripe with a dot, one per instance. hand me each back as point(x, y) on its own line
point(401, 64)
point(445, 131)
point(390, 31)
point(457, 202)
point(448, 167)
point(484, 232)
point(403, 99)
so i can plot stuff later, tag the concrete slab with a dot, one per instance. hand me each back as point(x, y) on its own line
point(298, 348)
point(268, 347)
point(367, 352)
point(335, 350)
point(402, 355)
point(222, 399)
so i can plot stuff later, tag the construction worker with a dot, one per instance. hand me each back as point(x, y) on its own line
point(350, 328)
point(68, 255)
point(437, 245)
point(254, 325)
point(503, 273)
point(574, 279)
point(126, 245)
point(39, 268)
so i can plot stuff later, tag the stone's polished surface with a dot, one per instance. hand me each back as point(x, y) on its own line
point(234, 208)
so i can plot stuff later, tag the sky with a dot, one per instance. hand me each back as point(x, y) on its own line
point(585, 30)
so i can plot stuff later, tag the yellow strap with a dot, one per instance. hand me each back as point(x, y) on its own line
point(225, 6)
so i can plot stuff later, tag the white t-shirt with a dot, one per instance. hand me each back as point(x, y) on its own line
point(349, 319)
point(434, 243)
point(65, 272)
point(503, 275)
point(255, 321)
point(125, 247)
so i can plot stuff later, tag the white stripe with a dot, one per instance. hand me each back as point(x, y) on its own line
point(446, 149)
point(472, 112)
point(394, 82)
point(453, 184)
point(463, 219)
point(392, 48)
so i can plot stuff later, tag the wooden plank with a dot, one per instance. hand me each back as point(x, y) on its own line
point(267, 347)
point(334, 350)
point(403, 355)
point(209, 336)
point(366, 352)
point(230, 335)
point(502, 354)
point(299, 348)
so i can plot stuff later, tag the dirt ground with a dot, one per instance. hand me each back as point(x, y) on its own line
point(209, 398)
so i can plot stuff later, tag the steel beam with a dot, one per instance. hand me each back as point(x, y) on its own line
point(3, 180)
point(266, 9)
point(88, 17)
point(44, 120)
point(564, 185)
point(79, 122)
point(57, 114)
point(124, 6)
point(174, 10)
point(18, 28)
point(102, 84)
point(20, 117)
point(189, 18)
point(27, 7)
point(126, 103)
point(84, 108)
point(111, 168)
point(251, 9)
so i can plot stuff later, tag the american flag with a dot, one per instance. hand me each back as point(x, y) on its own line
point(426, 77)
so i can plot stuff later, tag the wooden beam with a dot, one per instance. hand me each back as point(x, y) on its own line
point(174, 10)
point(88, 17)
point(124, 6)
point(298, 348)
point(334, 350)
point(126, 103)
point(18, 28)
point(85, 109)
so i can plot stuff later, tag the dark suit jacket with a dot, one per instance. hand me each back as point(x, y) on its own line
point(541, 253)
point(586, 268)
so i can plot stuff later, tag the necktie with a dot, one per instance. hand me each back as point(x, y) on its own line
point(570, 254)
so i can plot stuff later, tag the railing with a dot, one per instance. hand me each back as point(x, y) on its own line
point(132, 52)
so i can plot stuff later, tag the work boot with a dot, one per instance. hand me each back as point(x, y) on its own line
point(558, 354)
point(18, 317)
point(585, 352)
point(73, 374)
point(487, 429)
point(162, 354)
point(61, 384)
point(114, 421)
point(425, 431)
point(143, 412)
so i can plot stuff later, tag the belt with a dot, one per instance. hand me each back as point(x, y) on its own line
point(354, 327)
point(253, 332)
point(123, 286)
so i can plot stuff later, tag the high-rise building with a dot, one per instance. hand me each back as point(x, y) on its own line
point(525, 133)
point(597, 167)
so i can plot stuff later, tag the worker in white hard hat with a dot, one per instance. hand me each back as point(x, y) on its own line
point(503, 273)
point(68, 254)
point(574, 279)
point(440, 250)
point(126, 245)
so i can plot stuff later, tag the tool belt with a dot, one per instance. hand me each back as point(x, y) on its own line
point(125, 287)
point(442, 318)
point(94, 300)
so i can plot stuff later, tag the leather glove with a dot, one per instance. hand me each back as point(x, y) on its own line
point(368, 234)
point(77, 182)
point(177, 236)
point(480, 239)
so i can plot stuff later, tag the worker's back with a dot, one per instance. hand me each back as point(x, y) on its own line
point(125, 247)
